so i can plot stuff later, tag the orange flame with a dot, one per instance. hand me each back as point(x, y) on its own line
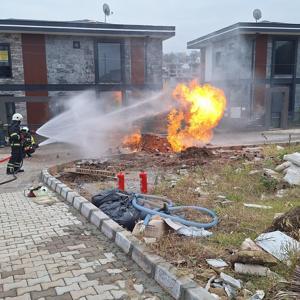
point(200, 110)
point(132, 141)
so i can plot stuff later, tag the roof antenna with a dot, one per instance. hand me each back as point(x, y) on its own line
point(107, 11)
point(257, 14)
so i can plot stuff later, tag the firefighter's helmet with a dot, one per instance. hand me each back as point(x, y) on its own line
point(17, 117)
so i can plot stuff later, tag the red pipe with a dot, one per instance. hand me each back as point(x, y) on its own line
point(5, 159)
point(121, 181)
point(143, 182)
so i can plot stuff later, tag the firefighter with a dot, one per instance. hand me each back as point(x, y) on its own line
point(29, 144)
point(15, 163)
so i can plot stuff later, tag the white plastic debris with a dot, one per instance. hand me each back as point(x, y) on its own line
point(259, 295)
point(231, 281)
point(194, 232)
point(293, 158)
point(186, 230)
point(278, 244)
point(279, 148)
point(217, 263)
point(257, 206)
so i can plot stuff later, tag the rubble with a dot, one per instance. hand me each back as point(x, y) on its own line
point(271, 174)
point(248, 244)
point(259, 295)
point(217, 263)
point(278, 244)
point(257, 206)
point(249, 269)
point(294, 158)
point(254, 258)
point(231, 281)
point(283, 166)
point(288, 223)
point(291, 168)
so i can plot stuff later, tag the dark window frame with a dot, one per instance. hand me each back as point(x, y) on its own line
point(122, 58)
point(294, 67)
point(76, 44)
point(9, 61)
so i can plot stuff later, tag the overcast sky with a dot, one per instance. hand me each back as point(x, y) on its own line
point(192, 18)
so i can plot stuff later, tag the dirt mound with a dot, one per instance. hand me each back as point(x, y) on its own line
point(288, 223)
point(195, 153)
point(154, 143)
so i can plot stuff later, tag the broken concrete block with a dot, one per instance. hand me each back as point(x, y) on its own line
point(248, 244)
point(217, 263)
point(283, 166)
point(139, 288)
point(259, 295)
point(293, 158)
point(231, 281)
point(292, 175)
point(251, 269)
point(272, 174)
point(254, 257)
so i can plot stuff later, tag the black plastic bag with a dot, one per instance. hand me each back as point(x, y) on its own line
point(118, 205)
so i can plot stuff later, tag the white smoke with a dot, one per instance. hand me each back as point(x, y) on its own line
point(87, 126)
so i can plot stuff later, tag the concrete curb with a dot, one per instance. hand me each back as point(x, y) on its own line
point(155, 266)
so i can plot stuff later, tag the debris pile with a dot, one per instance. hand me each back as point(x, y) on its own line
point(291, 168)
point(288, 223)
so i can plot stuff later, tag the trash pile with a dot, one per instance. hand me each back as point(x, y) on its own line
point(150, 215)
point(290, 168)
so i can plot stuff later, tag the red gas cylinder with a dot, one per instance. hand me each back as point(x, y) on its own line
point(121, 181)
point(143, 182)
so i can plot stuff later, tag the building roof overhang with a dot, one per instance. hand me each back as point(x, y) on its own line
point(245, 28)
point(85, 28)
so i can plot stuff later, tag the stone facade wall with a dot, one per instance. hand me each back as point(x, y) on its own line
point(66, 65)
point(15, 42)
point(153, 61)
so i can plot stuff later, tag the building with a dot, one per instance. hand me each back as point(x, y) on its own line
point(258, 66)
point(43, 60)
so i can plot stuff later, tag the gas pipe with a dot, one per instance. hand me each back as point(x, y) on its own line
point(121, 181)
point(143, 182)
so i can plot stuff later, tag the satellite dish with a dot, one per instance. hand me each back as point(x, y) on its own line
point(257, 14)
point(106, 11)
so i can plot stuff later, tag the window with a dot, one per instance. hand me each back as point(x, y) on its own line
point(76, 44)
point(5, 63)
point(284, 57)
point(109, 62)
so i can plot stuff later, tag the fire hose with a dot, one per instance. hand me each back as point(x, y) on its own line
point(13, 174)
point(5, 159)
point(169, 208)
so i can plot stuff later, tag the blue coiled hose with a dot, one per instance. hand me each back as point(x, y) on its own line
point(171, 208)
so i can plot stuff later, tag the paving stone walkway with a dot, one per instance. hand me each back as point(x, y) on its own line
point(48, 251)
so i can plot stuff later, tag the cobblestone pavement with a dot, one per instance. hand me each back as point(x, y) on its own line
point(48, 251)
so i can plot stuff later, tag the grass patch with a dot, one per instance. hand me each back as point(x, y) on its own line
point(234, 180)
